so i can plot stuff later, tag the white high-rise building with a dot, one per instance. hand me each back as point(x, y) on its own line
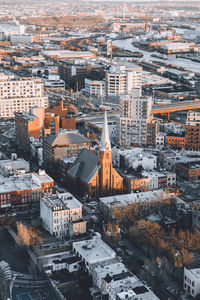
point(122, 79)
point(19, 95)
point(95, 87)
point(131, 125)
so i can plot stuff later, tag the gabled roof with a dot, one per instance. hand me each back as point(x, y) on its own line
point(85, 167)
point(66, 137)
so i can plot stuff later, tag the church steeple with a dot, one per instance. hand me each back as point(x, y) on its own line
point(105, 140)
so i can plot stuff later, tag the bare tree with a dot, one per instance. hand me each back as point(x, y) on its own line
point(28, 237)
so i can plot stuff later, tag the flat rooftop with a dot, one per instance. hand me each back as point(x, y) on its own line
point(94, 250)
point(22, 182)
point(64, 201)
point(67, 54)
point(122, 200)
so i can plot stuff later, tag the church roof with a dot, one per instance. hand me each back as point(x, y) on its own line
point(85, 167)
point(105, 139)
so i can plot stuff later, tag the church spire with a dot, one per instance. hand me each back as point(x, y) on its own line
point(105, 140)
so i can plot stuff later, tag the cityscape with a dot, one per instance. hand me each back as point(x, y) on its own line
point(99, 150)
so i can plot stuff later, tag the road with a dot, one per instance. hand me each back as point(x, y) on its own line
point(175, 106)
point(158, 282)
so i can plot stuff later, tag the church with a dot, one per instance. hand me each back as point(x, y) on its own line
point(93, 175)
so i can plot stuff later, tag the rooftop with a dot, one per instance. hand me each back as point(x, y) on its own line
point(67, 54)
point(195, 272)
point(22, 182)
point(26, 116)
point(61, 201)
point(122, 200)
point(66, 137)
point(94, 250)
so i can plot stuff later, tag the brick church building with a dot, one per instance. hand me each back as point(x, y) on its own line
point(94, 175)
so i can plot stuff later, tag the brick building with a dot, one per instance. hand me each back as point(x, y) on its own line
point(192, 131)
point(189, 170)
point(24, 189)
point(34, 124)
point(26, 125)
point(152, 129)
point(175, 140)
point(64, 143)
point(94, 175)
point(65, 114)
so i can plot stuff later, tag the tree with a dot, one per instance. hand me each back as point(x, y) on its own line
point(28, 237)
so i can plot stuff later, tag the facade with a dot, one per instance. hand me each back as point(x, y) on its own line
point(160, 139)
point(19, 95)
point(24, 189)
point(149, 181)
point(173, 140)
point(121, 80)
point(94, 87)
point(132, 123)
point(51, 124)
point(54, 82)
point(152, 127)
point(26, 125)
point(34, 124)
point(62, 215)
point(96, 173)
point(191, 281)
point(192, 131)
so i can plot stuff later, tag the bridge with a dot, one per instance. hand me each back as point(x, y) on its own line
point(175, 107)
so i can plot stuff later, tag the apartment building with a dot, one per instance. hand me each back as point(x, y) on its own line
point(191, 281)
point(19, 95)
point(112, 204)
point(94, 87)
point(24, 189)
point(192, 131)
point(34, 124)
point(74, 72)
point(175, 140)
point(122, 79)
point(132, 123)
point(111, 279)
point(153, 127)
point(58, 211)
